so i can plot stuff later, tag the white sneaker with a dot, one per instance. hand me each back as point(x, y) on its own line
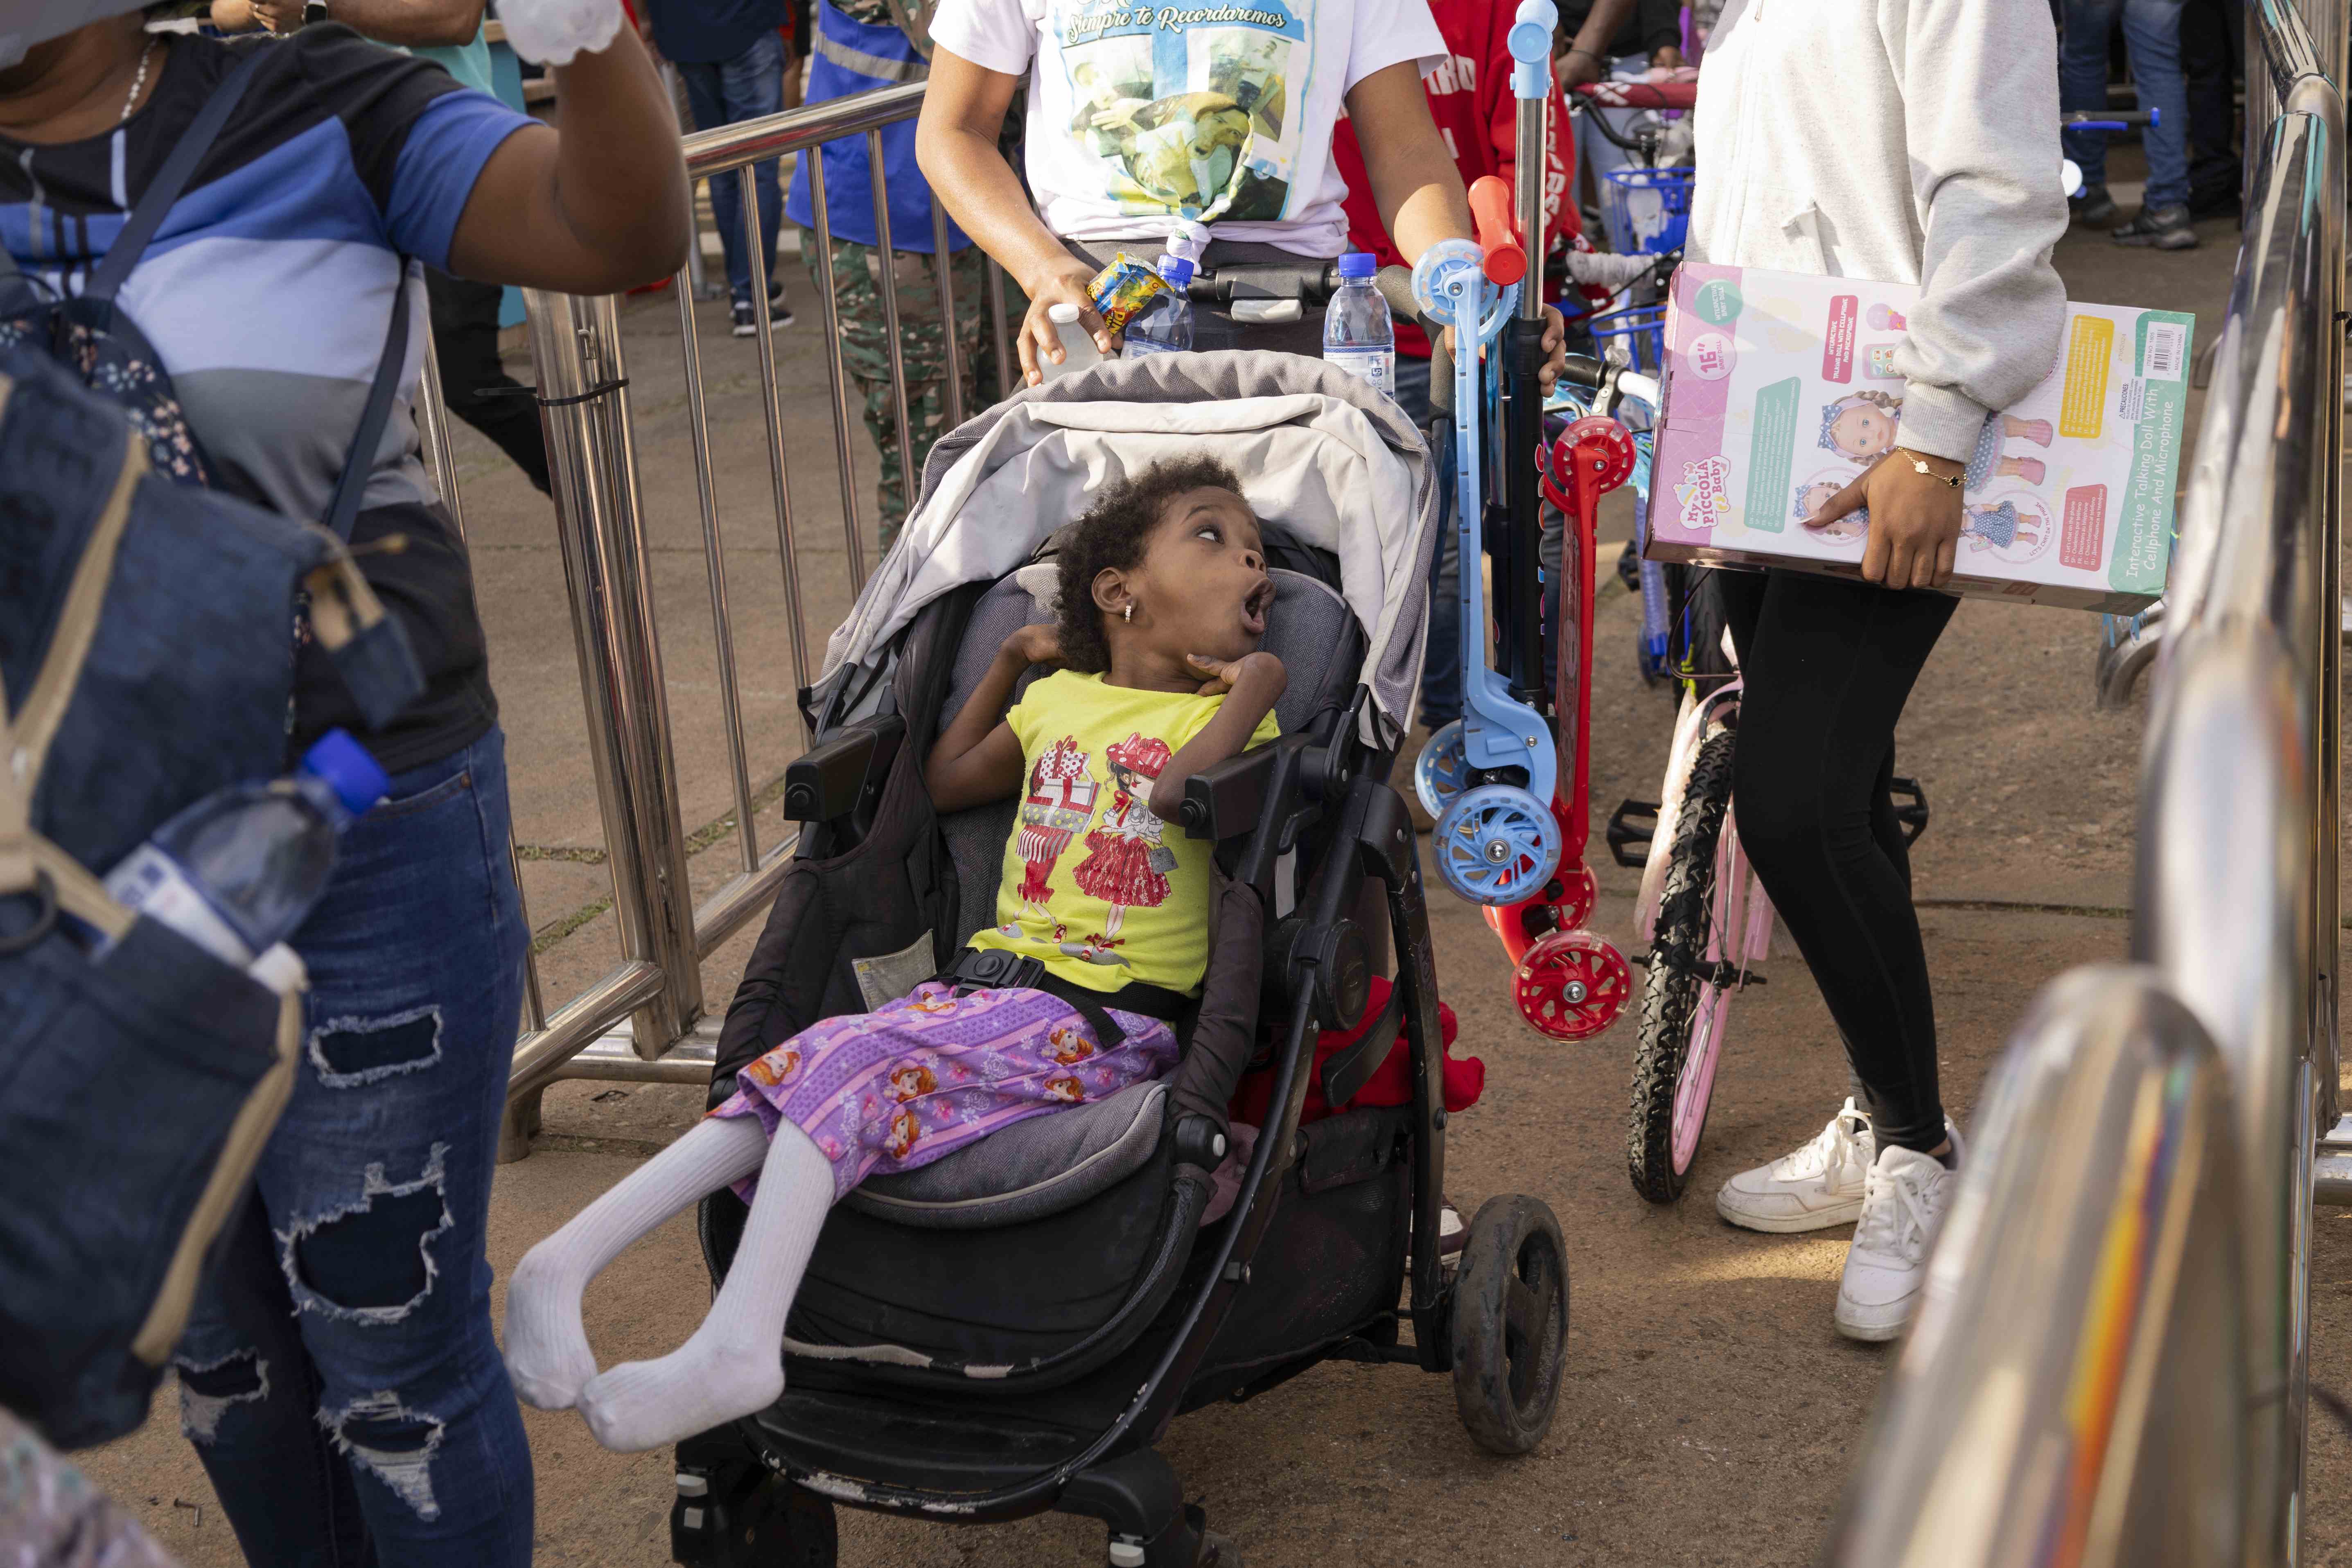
point(1903, 1206)
point(1814, 1188)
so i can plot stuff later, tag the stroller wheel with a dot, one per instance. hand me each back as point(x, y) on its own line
point(1510, 1324)
point(785, 1526)
point(1572, 985)
point(1495, 845)
point(1442, 772)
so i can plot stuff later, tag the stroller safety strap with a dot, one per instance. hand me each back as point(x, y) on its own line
point(992, 968)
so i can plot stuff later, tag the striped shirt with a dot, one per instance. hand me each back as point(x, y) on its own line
point(266, 293)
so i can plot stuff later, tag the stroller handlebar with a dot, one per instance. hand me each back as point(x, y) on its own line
point(1261, 290)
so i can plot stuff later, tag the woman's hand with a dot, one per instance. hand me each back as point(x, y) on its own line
point(1035, 645)
point(1040, 343)
point(1914, 519)
point(1259, 671)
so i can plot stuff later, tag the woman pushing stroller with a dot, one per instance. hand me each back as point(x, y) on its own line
point(1163, 600)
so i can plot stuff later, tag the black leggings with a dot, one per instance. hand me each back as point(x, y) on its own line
point(1827, 666)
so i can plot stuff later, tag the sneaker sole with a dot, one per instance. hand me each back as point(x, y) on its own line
point(1871, 1333)
point(1776, 1224)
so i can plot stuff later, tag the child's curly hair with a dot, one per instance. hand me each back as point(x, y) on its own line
point(1111, 536)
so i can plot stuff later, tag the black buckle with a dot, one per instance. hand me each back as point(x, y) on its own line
point(994, 969)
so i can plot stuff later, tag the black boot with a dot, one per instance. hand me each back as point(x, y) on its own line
point(2165, 228)
point(2092, 207)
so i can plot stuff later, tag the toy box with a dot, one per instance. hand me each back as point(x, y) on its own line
point(1781, 388)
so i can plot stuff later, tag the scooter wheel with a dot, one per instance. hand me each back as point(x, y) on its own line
point(1565, 903)
point(1571, 986)
point(1597, 440)
point(1497, 844)
point(1442, 772)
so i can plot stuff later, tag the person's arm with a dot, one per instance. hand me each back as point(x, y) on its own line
point(1414, 183)
point(956, 147)
point(1252, 684)
point(1586, 59)
point(426, 24)
point(594, 209)
point(978, 759)
point(235, 16)
point(1992, 307)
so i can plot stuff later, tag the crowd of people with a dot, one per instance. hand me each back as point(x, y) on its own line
point(342, 1380)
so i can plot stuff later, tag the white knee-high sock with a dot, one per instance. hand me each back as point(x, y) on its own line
point(734, 1364)
point(547, 1349)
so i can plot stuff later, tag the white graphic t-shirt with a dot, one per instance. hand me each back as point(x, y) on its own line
point(1143, 113)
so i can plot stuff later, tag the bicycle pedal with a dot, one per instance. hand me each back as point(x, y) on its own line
point(1628, 829)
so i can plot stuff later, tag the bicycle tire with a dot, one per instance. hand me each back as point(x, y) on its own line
point(1671, 992)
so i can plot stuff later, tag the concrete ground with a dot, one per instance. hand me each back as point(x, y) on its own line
point(1711, 1413)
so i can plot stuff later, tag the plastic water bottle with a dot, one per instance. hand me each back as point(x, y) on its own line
point(1165, 325)
point(1358, 334)
point(1078, 351)
point(237, 872)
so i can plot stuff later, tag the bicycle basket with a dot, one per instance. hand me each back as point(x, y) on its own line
point(1653, 205)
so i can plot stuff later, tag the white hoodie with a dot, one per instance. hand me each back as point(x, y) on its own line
point(1908, 141)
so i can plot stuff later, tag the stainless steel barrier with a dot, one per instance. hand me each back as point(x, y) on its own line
point(2074, 1391)
point(2142, 1395)
point(642, 1020)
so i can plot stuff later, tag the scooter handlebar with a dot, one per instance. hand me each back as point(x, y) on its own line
point(1506, 260)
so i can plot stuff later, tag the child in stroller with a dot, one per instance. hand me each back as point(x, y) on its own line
point(1163, 600)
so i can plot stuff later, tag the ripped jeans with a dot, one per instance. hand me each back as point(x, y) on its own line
point(338, 1378)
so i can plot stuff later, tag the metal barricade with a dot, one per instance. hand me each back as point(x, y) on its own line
point(2144, 1415)
point(643, 1020)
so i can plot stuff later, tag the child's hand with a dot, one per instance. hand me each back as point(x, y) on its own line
point(1035, 645)
point(1224, 675)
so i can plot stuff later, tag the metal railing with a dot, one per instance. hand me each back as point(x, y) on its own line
point(643, 1020)
point(2112, 1361)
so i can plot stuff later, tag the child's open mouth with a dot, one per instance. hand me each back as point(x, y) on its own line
point(1254, 605)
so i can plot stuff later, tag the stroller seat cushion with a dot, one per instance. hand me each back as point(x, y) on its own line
point(1030, 1170)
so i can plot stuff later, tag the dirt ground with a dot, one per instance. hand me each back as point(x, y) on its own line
point(1711, 1413)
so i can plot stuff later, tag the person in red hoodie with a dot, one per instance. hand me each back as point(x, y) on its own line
point(1470, 99)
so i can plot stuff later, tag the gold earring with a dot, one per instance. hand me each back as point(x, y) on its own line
point(1128, 613)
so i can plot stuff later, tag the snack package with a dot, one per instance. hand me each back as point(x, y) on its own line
point(1781, 390)
point(1123, 288)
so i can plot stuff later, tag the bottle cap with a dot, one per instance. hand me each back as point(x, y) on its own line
point(358, 780)
point(281, 968)
point(1174, 270)
point(1063, 315)
point(1358, 264)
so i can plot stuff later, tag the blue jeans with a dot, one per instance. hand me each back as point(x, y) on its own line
point(2152, 36)
point(338, 1378)
point(720, 93)
point(1441, 665)
point(1601, 155)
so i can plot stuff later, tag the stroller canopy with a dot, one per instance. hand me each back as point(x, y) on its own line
point(1321, 454)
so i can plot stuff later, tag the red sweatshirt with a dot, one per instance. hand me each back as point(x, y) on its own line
point(1470, 99)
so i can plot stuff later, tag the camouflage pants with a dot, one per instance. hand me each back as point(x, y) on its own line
point(865, 350)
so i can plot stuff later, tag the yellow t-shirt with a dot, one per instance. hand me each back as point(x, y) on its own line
point(1095, 885)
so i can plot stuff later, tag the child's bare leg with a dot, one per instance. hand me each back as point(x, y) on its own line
point(547, 1349)
point(734, 1364)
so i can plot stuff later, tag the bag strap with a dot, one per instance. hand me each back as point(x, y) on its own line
point(359, 463)
point(169, 180)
